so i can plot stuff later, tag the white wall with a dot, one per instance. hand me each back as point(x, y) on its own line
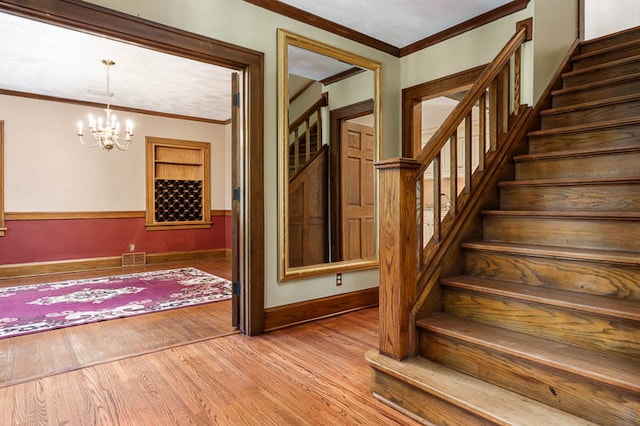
point(357, 88)
point(463, 52)
point(48, 170)
point(243, 24)
point(602, 17)
point(555, 27)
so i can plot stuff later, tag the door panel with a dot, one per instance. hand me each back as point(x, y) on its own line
point(358, 230)
point(235, 204)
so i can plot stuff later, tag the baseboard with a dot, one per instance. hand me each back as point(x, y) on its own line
point(79, 265)
point(187, 255)
point(296, 313)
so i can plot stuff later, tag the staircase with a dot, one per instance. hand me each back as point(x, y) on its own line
point(543, 326)
point(300, 145)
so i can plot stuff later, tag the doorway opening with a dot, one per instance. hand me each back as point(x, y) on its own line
point(249, 206)
point(353, 227)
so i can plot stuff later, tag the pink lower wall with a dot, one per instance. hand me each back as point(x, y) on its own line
point(51, 240)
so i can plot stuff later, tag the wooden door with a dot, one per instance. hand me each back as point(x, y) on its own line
point(236, 316)
point(357, 201)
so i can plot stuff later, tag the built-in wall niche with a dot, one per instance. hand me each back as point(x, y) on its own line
point(178, 184)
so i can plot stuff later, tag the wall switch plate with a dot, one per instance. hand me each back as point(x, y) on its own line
point(132, 247)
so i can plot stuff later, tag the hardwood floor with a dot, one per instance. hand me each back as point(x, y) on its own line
point(29, 357)
point(311, 374)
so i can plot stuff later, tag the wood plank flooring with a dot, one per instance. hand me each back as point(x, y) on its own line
point(189, 366)
point(311, 374)
point(33, 356)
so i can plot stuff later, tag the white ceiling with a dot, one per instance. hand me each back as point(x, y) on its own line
point(54, 61)
point(397, 22)
point(313, 66)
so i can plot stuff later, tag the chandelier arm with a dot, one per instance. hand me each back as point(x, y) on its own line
point(88, 144)
point(123, 146)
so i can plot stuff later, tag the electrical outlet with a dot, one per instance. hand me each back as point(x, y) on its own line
point(132, 247)
point(339, 279)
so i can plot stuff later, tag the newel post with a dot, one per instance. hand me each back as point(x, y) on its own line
point(397, 252)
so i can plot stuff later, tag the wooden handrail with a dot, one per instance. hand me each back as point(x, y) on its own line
point(302, 168)
point(441, 136)
point(323, 101)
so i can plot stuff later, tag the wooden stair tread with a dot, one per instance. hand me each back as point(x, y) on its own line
point(582, 362)
point(594, 255)
point(570, 182)
point(583, 302)
point(575, 153)
point(588, 44)
point(590, 104)
point(605, 50)
point(565, 214)
point(502, 407)
point(596, 84)
point(622, 122)
point(603, 66)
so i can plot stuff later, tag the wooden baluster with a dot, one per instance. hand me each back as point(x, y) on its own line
point(307, 142)
point(504, 100)
point(420, 207)
point(397, 253)
point(468, 157)
point(493, 115)
point(318, 130)
point(296, 153)
point(517, 102)
point(453, 174)
point(437, 174)
point(482, 124)
point(480, 150)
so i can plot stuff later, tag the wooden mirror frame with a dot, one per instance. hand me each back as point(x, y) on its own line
point(286, 39)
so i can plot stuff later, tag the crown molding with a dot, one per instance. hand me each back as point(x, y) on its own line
point(332, 27)
point(324, 24)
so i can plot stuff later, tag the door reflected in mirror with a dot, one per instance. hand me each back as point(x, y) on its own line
point(328, 132)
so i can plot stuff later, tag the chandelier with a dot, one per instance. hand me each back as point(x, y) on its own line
point(107, 132)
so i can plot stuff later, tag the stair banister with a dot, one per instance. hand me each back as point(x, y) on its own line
point(401, 200)
point(300, 133)
point(451, 123)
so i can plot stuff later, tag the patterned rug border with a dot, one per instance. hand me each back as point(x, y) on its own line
point(192, 287)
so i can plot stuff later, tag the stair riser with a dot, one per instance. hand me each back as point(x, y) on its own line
point(602, 58)
point(605, 73)
point(559, 389)
point(615, 165)
point(601, 43)
point(605, 234)
point(582, 329)
point(597, 93)
point(591, 115)
point(591, 198)
point(617, 137)
point(421, 403)
point(585, 277)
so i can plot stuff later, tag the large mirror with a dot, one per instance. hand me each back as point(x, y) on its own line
point(328, 142)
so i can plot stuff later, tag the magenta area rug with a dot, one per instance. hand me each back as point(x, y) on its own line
point(39, 307)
